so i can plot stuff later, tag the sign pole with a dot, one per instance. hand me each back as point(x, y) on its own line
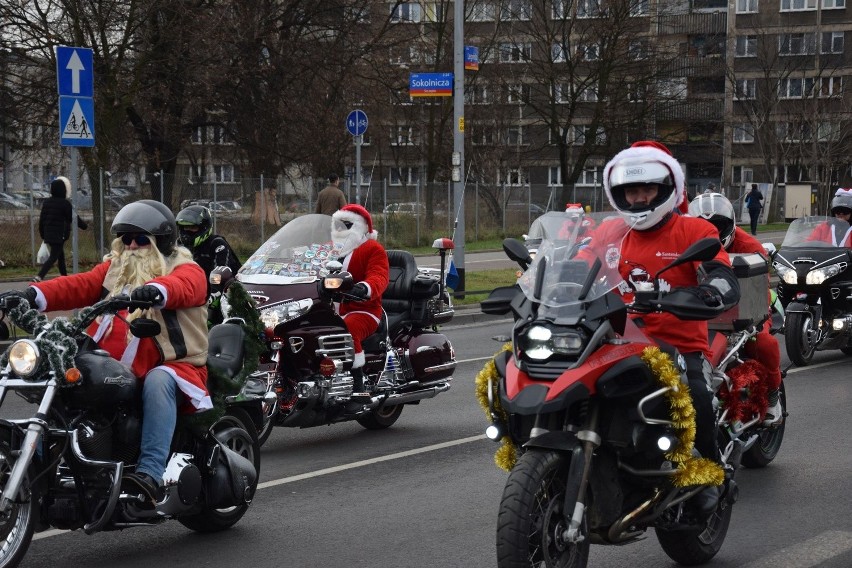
point(458, 139)
point(358, 169)
point(73, 177)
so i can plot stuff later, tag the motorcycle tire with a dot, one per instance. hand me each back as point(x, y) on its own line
point(16, 531)
point(769, 440)
point(269, 418)
point(692, 547)
point(382, 418)
point(531, 520)
point(797, 340)
point(242, 438)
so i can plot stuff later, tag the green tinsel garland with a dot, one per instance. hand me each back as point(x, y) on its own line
point(53, 338)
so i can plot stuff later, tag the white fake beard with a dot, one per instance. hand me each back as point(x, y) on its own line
point(135, 268)
point(347, 241)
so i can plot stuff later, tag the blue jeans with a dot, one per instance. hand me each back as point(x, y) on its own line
point(159, 416)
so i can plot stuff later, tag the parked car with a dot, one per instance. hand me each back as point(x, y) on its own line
point(13, 204)
point(410, 208)
point(524, 208)
point(224, 207)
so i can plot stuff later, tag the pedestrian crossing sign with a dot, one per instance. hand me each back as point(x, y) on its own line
point(76, 121)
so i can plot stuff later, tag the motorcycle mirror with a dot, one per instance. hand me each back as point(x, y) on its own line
point(770, 249)
point(517, 251)
point(333, 266)
point(499, 302)
point(703, 249)
point(142, 328)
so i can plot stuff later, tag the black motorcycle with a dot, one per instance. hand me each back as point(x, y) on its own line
point(815, 287)
point(62, 467)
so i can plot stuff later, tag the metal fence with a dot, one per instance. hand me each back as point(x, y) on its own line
point(405, 216)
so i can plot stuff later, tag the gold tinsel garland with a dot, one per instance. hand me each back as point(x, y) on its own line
point(690, 471)
point(507, 455)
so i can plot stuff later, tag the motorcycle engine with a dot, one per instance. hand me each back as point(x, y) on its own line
point(116, 440)
point(95, 437)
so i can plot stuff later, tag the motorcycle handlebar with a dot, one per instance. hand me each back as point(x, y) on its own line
point(679, 302)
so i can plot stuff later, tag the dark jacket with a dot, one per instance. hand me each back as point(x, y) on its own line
point(54, 223)
point(214, 252)
point(330, 200)
point(753, 199)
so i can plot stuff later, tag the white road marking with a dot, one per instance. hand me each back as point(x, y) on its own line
point(811, 552)
point(817, 366)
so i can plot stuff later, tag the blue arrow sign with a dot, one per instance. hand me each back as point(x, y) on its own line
point(356, 122)
point(74, 71)
point(76, 121)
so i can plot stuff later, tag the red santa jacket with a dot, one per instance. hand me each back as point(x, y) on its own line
point(185, 289)
point(368, 264)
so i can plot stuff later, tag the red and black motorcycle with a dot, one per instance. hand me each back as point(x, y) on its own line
point(305, 375)
point(595, 419)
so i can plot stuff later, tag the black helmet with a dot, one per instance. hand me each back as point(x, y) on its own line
point(149, 217)
point(194, 216)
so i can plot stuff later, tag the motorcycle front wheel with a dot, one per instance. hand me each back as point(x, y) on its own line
point(531, 520)
point(16, 529)
point(799, 331)
point(238, 433)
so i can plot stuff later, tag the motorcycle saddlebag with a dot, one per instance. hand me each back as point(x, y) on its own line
point(233, 479)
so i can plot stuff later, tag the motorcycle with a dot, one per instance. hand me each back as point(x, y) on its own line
point(305, 377)
point(591, 414)
point(62, 467)
point(815, 287)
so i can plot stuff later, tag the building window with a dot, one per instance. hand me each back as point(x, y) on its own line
point(433, 12)
point(590, 52)
point(406, 12)
point(743, 133)
point(518, 93)
point(673, 88)
point(402, 136)
point(589, 9)
point(832, 42)
point(797, 5)
point(515, 135)
point(225, 173)
point(555, 177)
point(590, 176)
point(482, 11)
point(797, 44)
point(515, 52)
point(512, 177)
point(793, 131)
point(559, 53)
point(478, 94)
point(403, 176)
point(742, 175)
point(580, 132)
point(481, 135)
point(588, 94)
point(563, 136)
point(515, 10)
point(745, 89)
point(746, 46)
point(561, 9)
point(637, 50)
point(833, 4)
point(358, 15)
point(746, 6)
point(795, 87)
point(562, 93)
point(828, 131)
point(638, 8)
point(831, 87)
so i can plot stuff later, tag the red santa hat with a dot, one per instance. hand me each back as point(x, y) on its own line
point(359, 217)
point(653, 150)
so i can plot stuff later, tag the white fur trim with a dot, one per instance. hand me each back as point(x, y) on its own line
point(359, 224)
point(358, 361)
point(647, 153)
point(197, 396)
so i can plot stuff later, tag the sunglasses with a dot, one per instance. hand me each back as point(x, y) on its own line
point(141, 240)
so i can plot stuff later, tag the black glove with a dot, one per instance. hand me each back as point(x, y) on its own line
point(360, 291)
point(707, 294)
point(14, 297)
point(146, 293)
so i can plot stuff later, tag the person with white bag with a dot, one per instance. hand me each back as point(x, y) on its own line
point(54, 227)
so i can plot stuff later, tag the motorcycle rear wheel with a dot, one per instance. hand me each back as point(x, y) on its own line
point(697, 546)
point(769, 440)
point(798, 332)
point(381, 418)
point(242, 439)
point(531, 521)
point(16, 531)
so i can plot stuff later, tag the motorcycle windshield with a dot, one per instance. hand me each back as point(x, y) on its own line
point(296, 253)
point(817, 231)
point(577, 260)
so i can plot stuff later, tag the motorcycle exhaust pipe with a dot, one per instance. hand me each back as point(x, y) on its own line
point(404, 398)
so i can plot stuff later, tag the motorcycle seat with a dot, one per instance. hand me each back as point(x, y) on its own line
point(225, 348)
point(402, 271)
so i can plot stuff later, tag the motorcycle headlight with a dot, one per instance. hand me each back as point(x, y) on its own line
point(24, 358)
point(819, 275)
point(787, 274)
point(281, 313)
point(540, 342)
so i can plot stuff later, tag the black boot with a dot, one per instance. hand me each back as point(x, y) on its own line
point(705, 502)
point(358, 397)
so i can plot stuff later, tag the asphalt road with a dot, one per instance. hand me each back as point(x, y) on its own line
point(425, 493)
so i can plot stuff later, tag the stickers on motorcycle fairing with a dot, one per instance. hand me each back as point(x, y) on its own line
point(613, 254)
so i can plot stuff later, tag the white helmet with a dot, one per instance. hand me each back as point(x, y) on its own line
point(842, 200)
point(645, 163)
point(716, 208)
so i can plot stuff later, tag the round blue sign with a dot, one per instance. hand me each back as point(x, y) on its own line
point(356, 122)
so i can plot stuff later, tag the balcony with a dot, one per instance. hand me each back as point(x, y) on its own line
point(698, 110)
point(694, 23)
point(695, 66)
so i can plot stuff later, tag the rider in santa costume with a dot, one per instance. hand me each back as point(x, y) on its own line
point(367, 261)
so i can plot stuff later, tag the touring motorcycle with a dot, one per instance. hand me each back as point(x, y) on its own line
point(815, 287)
point(62, 466)
point(305, 376)
point(592, 415)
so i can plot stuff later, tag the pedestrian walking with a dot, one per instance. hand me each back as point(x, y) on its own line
point(54, 225)
point(331, 198)
point(754, 202)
